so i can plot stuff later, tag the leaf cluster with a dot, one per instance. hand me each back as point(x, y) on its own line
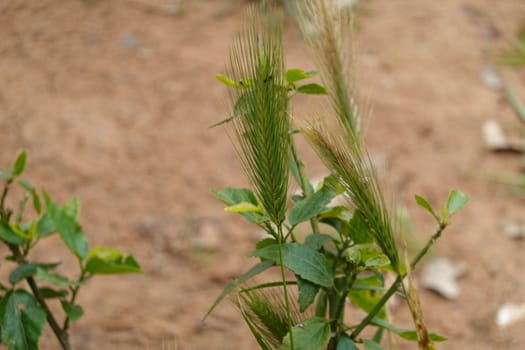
point(32, 284)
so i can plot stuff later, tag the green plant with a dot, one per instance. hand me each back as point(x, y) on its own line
point(24, 311)
point(325, 272)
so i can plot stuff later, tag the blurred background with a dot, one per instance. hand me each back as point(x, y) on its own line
point(113, 101)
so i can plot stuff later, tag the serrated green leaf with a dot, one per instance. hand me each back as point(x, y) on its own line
point(404, 333)
point(21, 320)
point(372, 345)
point(302, 260)
point(68, 229)
point(312, 334)
point(254, 271)
point(50, 293)
point(307, 293)
point(311, 206)
point(295, 74)
point(9, 236)
point(312, 89)
point(344, 342)
point(103, 260)
point(422, 202)
point(19, 165)
point(456, 201)
point(317, 240)
point(73, 312)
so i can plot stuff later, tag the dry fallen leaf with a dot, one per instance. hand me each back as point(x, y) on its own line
point(514, 229)
point(510, 313)
point(440, 276)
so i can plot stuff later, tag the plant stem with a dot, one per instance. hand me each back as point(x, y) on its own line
point(59, 333)
point(338, 314)
point(302, 177)
point(4, 213)
point(74, 292)
point(393, 288)
point(285, 288)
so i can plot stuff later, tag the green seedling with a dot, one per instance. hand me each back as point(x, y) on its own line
point(33, 285)
point(324, 272)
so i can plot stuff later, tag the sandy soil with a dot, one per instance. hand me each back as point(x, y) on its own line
point(113, 99)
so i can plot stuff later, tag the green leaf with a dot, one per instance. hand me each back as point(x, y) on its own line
point(103, 260)
point(358, 230)
point(254, 271)
point(21, 320)
point(72, 208)
point(54, 278)
point(311, 206)
point(50, 293)
point(368, 256)
point(27, 185)
point(19, 165)
point(312, 89)
point(456, 201)
point(4, 175)
point(22, 271)
point(233, 196)
point(339, 212)
point(16, 229)
point(9, 236)
point(317, 240)
point(45, 226)
point(307, 293)
point(74, 312)
point(243, 207)
point(404, 333)
point(344, 342)
point(366, 299)
point(302, 260)
point(295, 74)
point(313, 334)
point(372, 345)
point(228, 82)
point(68, 228)
point(425, 205)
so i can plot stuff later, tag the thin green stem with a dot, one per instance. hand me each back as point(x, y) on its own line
point(74, 293)
point(4, 214)
point(303, 179)
point(285, 288)
point(337, 317)
point(393, 288)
